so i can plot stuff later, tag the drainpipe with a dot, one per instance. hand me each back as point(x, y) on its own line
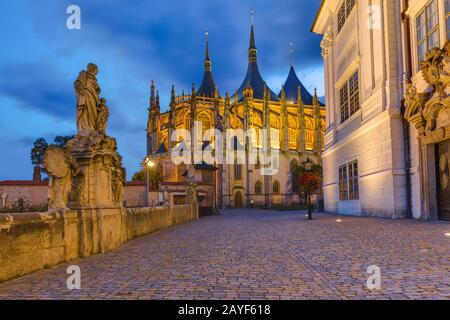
point(407, 67)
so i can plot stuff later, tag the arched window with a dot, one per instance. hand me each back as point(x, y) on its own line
point(237, 172)
point(258, 187)
point(276, 187)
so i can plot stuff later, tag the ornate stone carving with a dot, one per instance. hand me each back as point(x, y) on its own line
point(60, 167)
point(327, 42)
point(424, 109)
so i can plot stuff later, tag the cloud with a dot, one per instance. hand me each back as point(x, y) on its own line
point(133, 44)
point(37, 87)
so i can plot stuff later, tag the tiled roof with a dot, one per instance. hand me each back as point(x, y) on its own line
point(20, 183)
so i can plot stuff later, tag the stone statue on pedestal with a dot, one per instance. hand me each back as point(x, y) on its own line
point(87, 173)
point(87, 93)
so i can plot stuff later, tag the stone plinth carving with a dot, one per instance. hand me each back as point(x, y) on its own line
point(87, 173)
point(425, 110)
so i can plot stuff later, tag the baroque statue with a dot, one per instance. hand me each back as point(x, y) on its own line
point(88, 171)
point(87, 93)
point(103, 116)
point(61, 168)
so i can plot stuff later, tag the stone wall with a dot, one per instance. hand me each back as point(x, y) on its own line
point(33, 241)
point(36, 193)
point(32, 193)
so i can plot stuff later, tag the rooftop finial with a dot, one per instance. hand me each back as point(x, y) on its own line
point(252, 12)
point(207, 58)
point(252, 48)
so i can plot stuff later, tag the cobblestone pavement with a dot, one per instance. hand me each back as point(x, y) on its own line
point(255, 254)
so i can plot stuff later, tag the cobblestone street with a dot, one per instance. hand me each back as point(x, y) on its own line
point(255, 254)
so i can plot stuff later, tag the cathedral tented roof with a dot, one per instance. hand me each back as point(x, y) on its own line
point(208, 86)
point(291, 89)
point(253, 77)
point(256, 82)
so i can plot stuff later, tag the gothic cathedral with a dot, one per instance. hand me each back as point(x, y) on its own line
point(297, 116)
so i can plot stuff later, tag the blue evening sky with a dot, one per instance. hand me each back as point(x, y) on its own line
point(134, 42)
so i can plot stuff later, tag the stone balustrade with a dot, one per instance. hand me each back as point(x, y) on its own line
point(33, 241)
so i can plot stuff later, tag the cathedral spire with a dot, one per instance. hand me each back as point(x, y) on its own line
point(152, 96)
point(252, 49)
point(208, 86)
point(207, 59)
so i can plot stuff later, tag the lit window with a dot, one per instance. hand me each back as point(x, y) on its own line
point(258, 188)
point(276, 187)
point(427, 29)
point(292, 139)
point(343, 194)
point(353, 180)
point(344, 12)
point(275, 138)
point(349, 97)
point(349, 181)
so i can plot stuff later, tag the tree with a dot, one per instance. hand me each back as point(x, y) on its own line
point(61, 141)
point(154, 177)
point(38, 151)
point(139, 176)
point(41, 145)
point(308, 180)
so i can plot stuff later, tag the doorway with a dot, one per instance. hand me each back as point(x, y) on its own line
point(443, 173)
point(238, 203)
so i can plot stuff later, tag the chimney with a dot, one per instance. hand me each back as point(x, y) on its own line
point(37, 174)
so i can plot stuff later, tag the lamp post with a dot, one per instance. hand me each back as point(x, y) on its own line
point(148, 164)
point(308, 165)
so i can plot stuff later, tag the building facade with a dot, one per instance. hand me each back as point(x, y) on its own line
point(294, 118)
point(372, 51)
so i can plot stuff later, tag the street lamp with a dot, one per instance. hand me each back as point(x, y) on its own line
point(148, 164)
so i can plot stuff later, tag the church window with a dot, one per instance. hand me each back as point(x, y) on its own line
point(275, 138)
point(258, 187)
point(276, 187)
point(237, 172)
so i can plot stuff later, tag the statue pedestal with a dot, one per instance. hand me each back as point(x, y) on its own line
point(99, 180)
point(97, 191)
